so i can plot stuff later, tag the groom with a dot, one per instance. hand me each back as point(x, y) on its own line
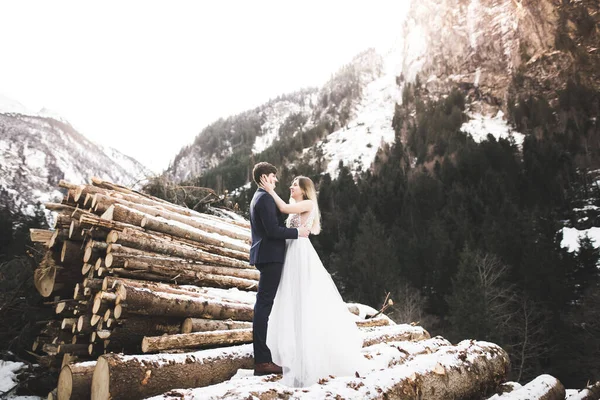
point(267, 254)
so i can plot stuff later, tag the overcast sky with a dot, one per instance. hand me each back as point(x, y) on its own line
point(146, 76)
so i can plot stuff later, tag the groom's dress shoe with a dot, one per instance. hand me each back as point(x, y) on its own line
point(267, 369)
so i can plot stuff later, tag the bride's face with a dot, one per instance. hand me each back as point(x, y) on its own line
point(295, 191)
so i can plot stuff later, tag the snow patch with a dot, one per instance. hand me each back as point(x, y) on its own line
point(8, 374)
point(571, 237)
point(479, 126)
point(356, 145)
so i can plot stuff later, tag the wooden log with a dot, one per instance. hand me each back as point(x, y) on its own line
point(75, 231)
point(75, 381)
point(544, 387)
point(78, 349)
point(185, 231)
point(40, 235)
point(50, 278)
point(52, 395)
point(142, 198)
point(157, 303)
point(190, 277)
point(148, 264)
point(67, 323)
point(117, 376)
point(161, 245)
point(239, 255)
point(63, 221)
point(74, 212)
point(240, 223)
point(93, 221)
point(84, 324)
point(194, 340)
point(111, 205)
point(71, 254)
point(464, 371)
point(93, 283)
point(50, 348)
point(58, 237)
point(190, 325)
point(391, 333)
point(371, 323)
point(67, 185)
point(591, 392)
point(66, 307)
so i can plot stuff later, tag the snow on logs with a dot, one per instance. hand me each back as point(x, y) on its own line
point(441, 371)
point(544, 387)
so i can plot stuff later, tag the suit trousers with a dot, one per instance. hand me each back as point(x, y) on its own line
point(270, 275)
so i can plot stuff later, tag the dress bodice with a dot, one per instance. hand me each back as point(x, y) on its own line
point(295, 220)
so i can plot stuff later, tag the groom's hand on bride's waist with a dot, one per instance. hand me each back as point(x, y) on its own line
point(303, 231)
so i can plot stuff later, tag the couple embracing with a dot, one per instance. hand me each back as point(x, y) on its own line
point(302, 327)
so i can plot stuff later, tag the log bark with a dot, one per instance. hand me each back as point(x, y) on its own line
point(191, 276)
point(74, 212)
point(110, 282)
point(144, 302)
point(392, 333)
point(75, 381)
point(71, 254)
point(77, 349)
point(75, 231)
point(104, 203)
point(204, 325)
point(195, 340)
point(185, 231)
point(148, 242)
point(58, 237)
point(148, 264)
point(137, 377)
point(93, 221)
point(239, 255)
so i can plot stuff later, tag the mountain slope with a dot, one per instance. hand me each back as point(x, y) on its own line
point(499, 54)
point(292, 123)
point(36, 152)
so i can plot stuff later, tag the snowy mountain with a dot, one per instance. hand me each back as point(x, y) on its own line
point(37, 150)
point(497, 53)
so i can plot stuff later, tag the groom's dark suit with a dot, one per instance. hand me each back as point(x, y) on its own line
point(267, 254)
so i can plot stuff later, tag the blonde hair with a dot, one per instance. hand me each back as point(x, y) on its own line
point(310, 193)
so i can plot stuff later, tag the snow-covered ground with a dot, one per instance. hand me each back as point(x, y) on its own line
point(9, 370)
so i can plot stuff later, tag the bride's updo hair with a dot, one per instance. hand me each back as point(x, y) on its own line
point(310, 193)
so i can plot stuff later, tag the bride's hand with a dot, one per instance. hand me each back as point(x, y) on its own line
point(266, 185)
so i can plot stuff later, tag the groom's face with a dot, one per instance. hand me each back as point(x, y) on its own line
point(272, 178)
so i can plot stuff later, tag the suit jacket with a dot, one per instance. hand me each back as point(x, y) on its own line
point(268, 231)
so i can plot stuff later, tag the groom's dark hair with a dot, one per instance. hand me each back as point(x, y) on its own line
point(262, 168)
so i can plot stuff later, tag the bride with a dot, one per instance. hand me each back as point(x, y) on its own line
point(311, 333)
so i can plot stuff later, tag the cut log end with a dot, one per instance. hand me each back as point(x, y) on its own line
point(100, 381)
point(186, 326)
point(65, 383)
point(44, 281)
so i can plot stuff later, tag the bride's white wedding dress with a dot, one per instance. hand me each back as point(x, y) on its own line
point(311, 333)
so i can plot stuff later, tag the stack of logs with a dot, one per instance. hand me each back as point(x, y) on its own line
point(128, 272)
